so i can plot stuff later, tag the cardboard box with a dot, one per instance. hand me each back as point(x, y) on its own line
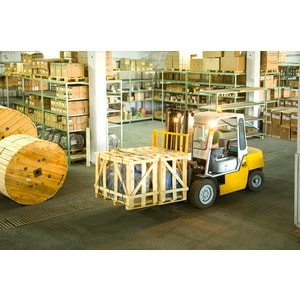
point(233, 64)
point(138, 96)
point(211, 54)
point(233, 53)
point(285, 92)
point(294, 93)
point(286, 118)
point(294, 133)
point(211, 64)
point(274, 93)
point(196, 65)
point(72, 70)
point(276, 117)
point(269, 56)
point(275, 130)
point(268, 81)
point(294, 118)
point(285, 132)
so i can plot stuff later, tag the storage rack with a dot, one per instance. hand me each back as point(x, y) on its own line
point(41, 101)
point(137, 94)
point(239, 100)
point(183, 89)
point(289, 74)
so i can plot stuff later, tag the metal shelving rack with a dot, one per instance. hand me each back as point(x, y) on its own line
point(43, 114)
point(289, 74)
point(184, 89)
point(239, 102)
point(137, 83)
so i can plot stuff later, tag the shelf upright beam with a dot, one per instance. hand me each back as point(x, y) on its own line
point(297, 176)
point(253, 79)
point(98, 104)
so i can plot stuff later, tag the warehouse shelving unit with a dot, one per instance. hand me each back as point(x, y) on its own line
point(183, 89)
point(8, 89)
point(240, 100)
point(137, 94)
point(115, 112)
point(58, 108)
point(289, 75)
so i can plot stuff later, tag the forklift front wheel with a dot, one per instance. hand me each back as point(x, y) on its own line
point(203, 193)
point(255, 180)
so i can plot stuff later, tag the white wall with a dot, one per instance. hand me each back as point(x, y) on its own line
point(292, 57)
point(10, 56)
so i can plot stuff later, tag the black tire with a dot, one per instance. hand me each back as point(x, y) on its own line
point(203, 193)
point(255, 181)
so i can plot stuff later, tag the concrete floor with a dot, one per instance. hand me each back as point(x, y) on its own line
point(75, 219)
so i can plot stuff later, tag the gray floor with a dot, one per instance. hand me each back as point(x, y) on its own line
point(75, 219)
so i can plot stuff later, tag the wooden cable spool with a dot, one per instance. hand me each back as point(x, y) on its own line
point(31, 170)
point(15, 122)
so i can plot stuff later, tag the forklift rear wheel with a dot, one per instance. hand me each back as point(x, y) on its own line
point(255, 181)
point(203, 193)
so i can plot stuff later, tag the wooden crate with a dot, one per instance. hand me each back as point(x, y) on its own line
point(141, 177)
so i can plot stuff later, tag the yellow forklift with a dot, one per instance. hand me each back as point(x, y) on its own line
point(220, 161)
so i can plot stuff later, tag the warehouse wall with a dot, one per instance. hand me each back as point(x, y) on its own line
point(9, 56)
point(293, 57)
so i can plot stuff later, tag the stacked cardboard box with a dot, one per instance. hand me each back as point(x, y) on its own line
point(225, 61)
point(67, 70)
point(41, 67)
point(33, 85)
point(73, 107)
point(211, 60)
point(282, 122)
point(127, 64)
point(109, 63)
point(172, 61)
point(63, 123)
point(233, 61)
point(36, 101)
point(269, 61)
point(11, 81)
point(72, 92)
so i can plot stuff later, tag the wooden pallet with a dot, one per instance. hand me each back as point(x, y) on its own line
point(40, 76)
point(67, 79)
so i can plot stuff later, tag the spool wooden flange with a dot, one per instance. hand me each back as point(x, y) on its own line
point(15, 122)
point(31, 170)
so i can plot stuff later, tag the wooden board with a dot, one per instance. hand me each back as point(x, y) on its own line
point(14, 122)
point(31, 170)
